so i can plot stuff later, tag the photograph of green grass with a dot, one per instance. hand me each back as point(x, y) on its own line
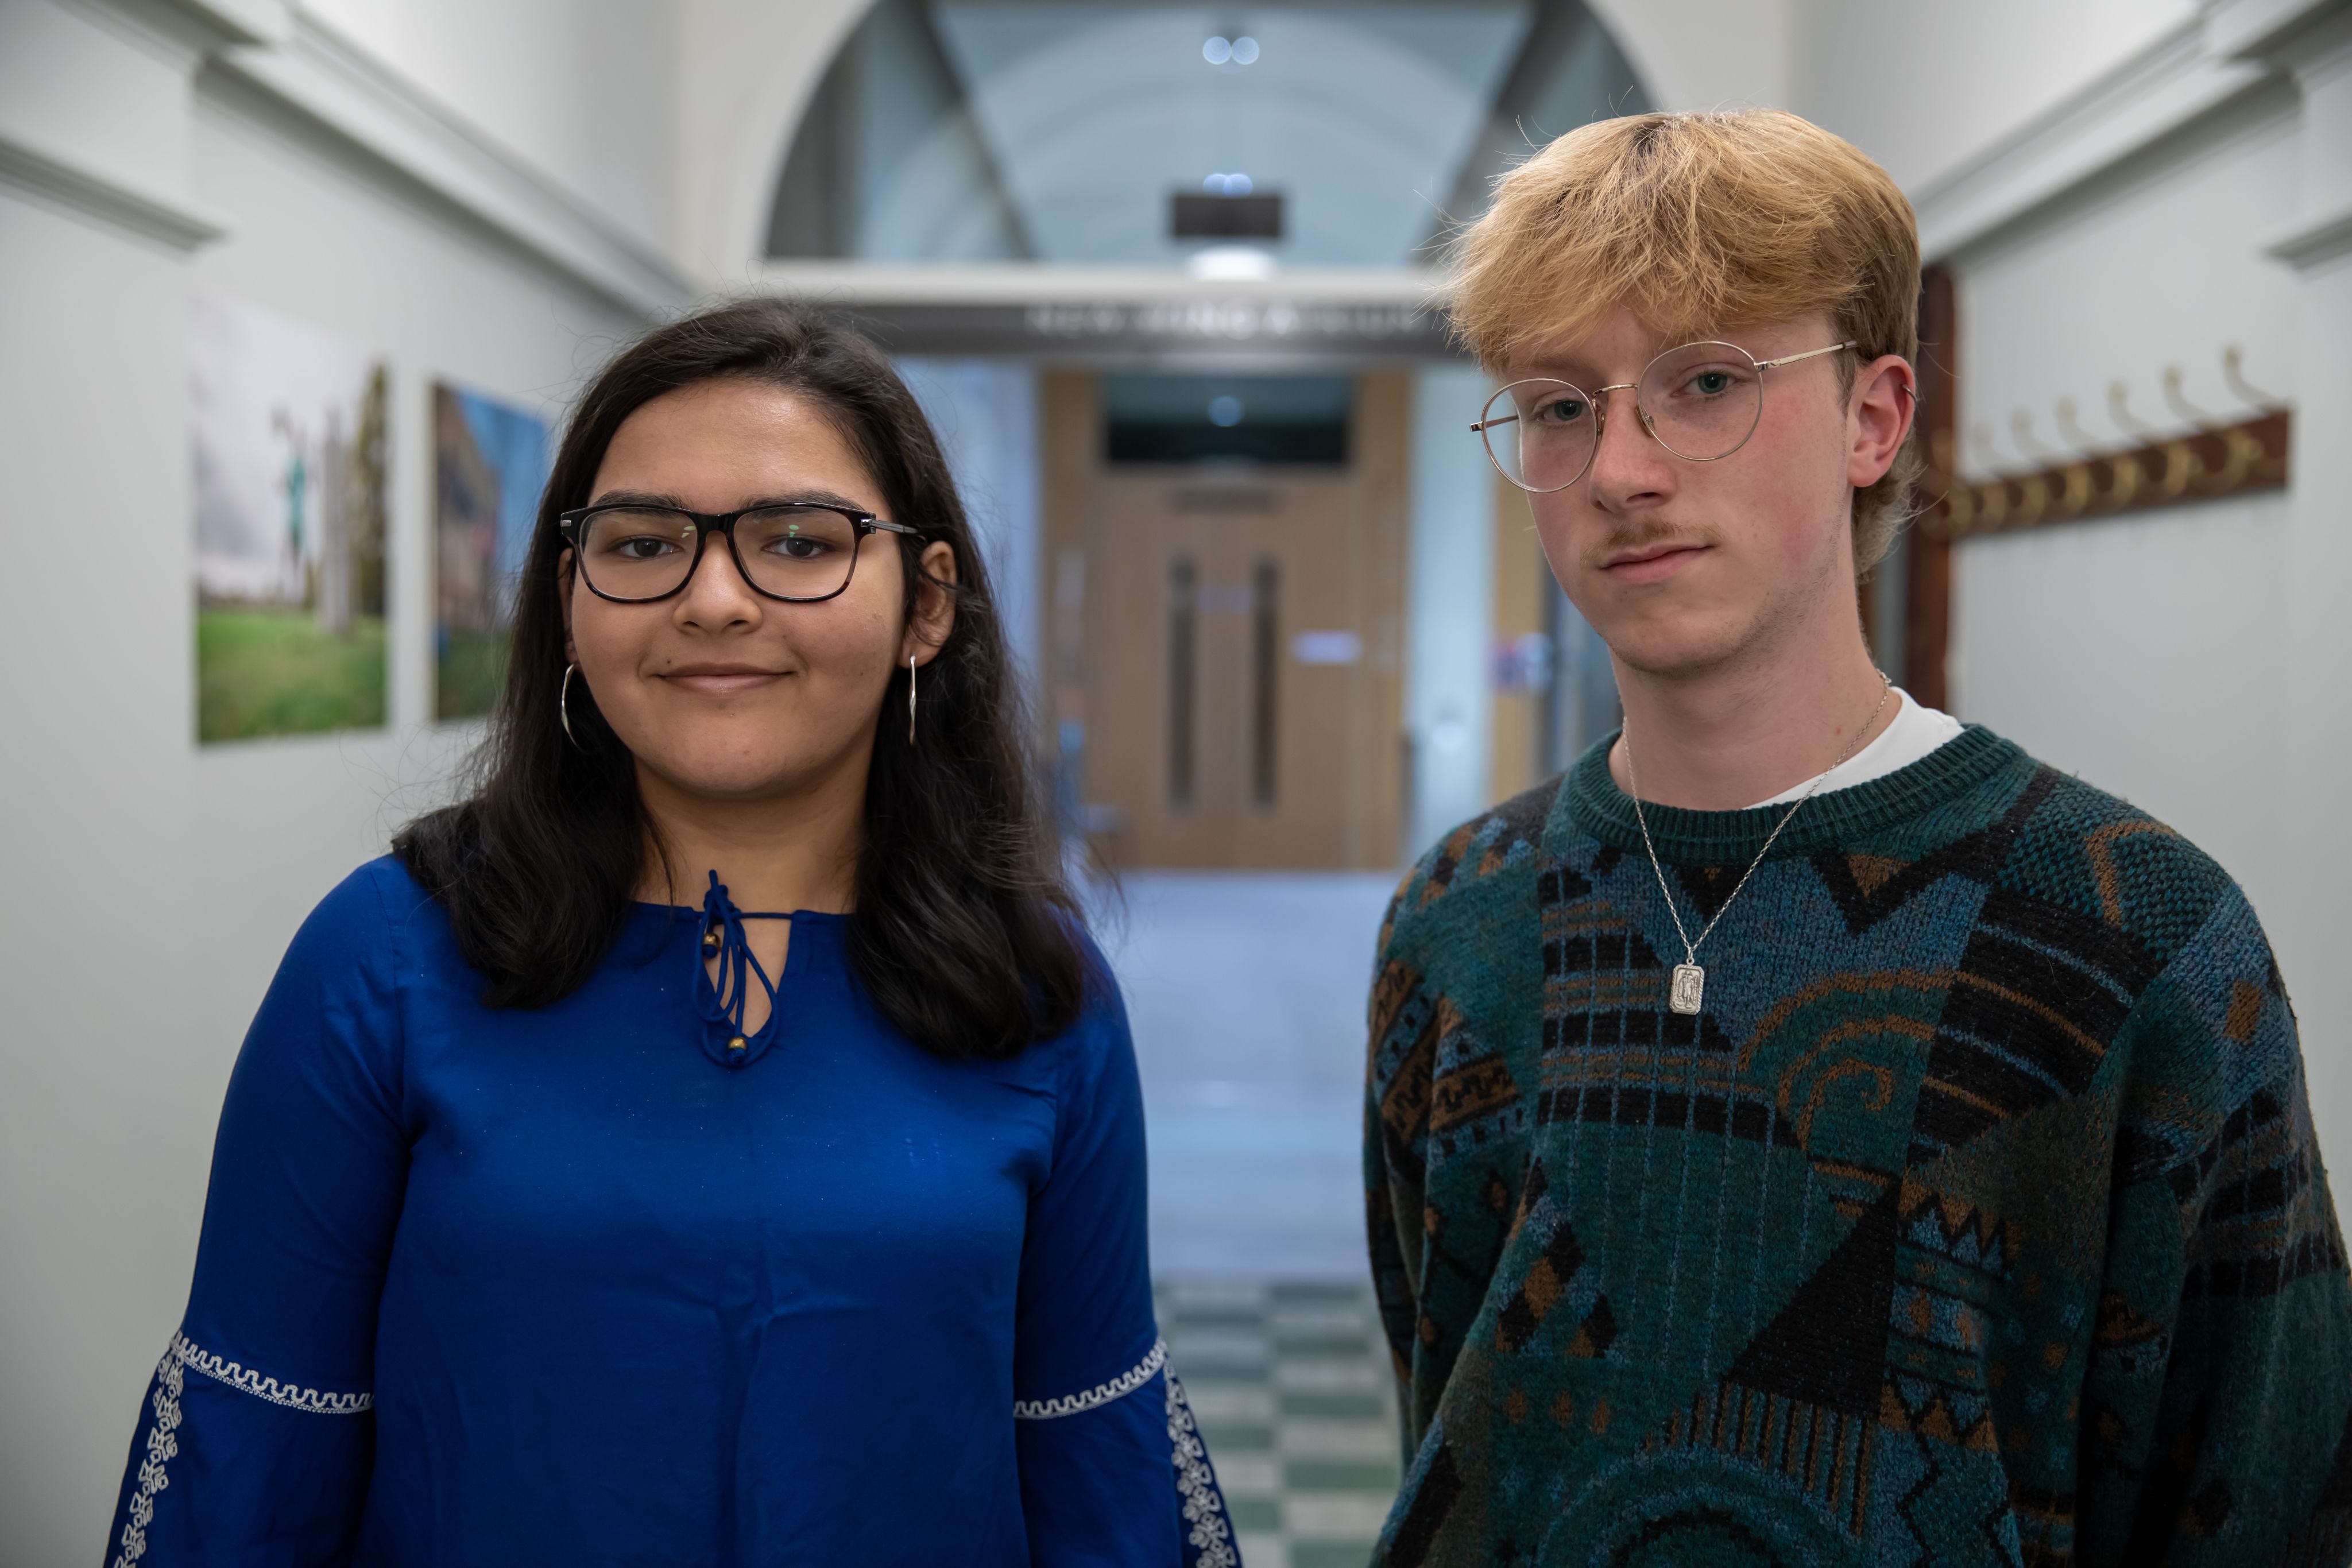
point(489, 463)
point(290, 451)
point(273, 672)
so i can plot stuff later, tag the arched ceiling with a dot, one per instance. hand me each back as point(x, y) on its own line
point(1360, 117)
point(1056, 131)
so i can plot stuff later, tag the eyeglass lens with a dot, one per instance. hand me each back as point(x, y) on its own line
point(1701, 400)
point(792, 552)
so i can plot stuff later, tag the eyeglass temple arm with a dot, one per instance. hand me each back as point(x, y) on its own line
point(1791, 359)
point(1487, 424)
point(1808, 354)
point(896, 527)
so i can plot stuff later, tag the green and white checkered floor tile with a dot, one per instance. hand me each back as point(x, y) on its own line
point(1291, 1386)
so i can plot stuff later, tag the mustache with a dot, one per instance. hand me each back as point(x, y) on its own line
point(1628, 539)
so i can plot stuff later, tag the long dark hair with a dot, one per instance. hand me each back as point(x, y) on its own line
point(965, 934)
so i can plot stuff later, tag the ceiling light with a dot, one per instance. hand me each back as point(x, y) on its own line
point(1228, 184)
point(1232, 263)
point(1245, 51)
point(1217, 51)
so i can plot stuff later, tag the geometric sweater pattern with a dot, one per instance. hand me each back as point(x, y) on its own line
point(1977, 1220)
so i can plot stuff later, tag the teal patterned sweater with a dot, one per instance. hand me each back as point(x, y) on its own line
point(1977, 1220)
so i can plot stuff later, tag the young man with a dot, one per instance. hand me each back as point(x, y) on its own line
point(1810, 1131)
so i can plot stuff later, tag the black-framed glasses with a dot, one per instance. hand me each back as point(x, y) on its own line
point(798, 551)
point(1701, 400)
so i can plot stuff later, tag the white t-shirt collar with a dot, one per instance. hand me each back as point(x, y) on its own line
point(1910, 734)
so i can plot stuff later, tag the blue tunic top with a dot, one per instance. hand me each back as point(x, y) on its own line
point(593, 1283)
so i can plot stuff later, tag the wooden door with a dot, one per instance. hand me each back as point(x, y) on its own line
point(1236, 637)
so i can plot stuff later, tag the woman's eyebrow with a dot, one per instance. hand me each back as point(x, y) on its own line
point(814, 497)
point(639, 498)
point(821, 498)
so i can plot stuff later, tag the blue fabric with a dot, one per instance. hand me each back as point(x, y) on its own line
point(586, 1284)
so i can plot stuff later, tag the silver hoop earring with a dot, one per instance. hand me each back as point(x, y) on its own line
point(564, 708)
point(910, 699)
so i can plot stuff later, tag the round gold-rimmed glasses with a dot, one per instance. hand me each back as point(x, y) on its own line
point(1701, 402)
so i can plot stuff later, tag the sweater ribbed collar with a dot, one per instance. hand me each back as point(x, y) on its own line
point(1591, 802)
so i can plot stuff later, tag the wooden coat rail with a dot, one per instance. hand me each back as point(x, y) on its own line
point(2219, 460)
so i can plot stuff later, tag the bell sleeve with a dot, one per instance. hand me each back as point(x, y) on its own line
point(255, 1440)
point(1112, 1466)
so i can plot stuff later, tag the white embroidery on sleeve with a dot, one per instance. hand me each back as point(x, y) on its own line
point(1206, 1527)
point(268, 1388)
point(163, 1437)
point(1119, 1387)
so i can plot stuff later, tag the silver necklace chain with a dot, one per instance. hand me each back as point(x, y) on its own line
point(1690, 947)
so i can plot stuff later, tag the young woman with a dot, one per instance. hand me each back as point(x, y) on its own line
point(715, 1140)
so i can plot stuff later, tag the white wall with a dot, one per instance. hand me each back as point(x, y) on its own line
point(2142, 656)
point(153, 884)
point(1707, 54)
point(2164, 624)
point(1449, 605)
point(985, 411)
point(1923, 88)
point(2146, 268)
point(582, 89)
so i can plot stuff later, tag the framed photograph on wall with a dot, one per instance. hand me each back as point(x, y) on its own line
point(290, 515)
point(490, 465)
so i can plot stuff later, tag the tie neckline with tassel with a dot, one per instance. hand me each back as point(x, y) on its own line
point(723, 999)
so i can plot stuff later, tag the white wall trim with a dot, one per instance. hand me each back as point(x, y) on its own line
point(173, 220)
point(332, 81)
point(2245, 27)
point(2314, 242)
point(189, 29)
point(2175, 81)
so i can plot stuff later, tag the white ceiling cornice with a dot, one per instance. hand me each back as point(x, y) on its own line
point(2177, 79)
point(165, 218)
point(340, 87)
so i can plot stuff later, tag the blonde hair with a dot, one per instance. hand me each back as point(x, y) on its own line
point(1699, 223)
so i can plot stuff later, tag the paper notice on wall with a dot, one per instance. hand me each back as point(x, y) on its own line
point(1326, 648)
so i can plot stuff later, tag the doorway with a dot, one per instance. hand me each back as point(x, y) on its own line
point(1226, 580)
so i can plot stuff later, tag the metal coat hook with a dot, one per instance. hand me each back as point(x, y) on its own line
point(2021, 425)
point(2233, 370)
point(2152, 467)
point(1980, 441)
point(2119, 409)
point(2071, 428)
point(2180, 405)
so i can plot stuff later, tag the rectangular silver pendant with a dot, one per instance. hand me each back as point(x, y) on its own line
point(1689, 988)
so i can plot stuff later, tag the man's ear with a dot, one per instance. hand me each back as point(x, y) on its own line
point(1885, 400)
point(934, 619)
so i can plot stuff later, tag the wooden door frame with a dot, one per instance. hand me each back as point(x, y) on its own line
point(1927, 558)
point(1071, 467)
